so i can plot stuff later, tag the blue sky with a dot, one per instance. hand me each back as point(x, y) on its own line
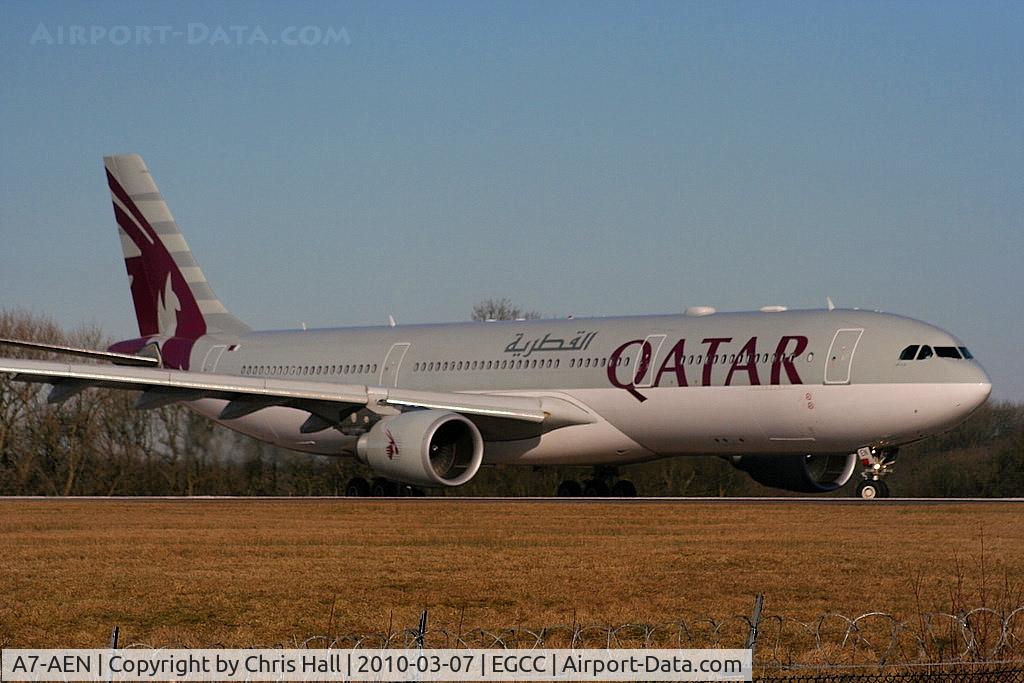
point(579, 158)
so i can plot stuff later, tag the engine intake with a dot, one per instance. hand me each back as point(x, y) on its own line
point(802, 473)
point(423, 448)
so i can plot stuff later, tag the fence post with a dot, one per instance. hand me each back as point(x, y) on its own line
point(755, 623)
point(421, 633)
point(114, 634)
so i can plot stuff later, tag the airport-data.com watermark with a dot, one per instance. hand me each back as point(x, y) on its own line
point(192, 33)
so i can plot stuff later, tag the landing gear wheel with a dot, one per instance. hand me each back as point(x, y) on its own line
point(357, 487)
point(569, 488)
point(869, 489)
point(624, 488)
point(407, 491)
point(382, 488)
point(595, 488)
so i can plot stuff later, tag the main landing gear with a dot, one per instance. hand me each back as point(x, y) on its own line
point(357, 487)
point(877, 463)
point(604, 482)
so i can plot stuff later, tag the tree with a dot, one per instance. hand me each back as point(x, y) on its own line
point(501, 309)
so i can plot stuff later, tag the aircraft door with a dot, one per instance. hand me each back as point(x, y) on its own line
point(840, 356)
point(392, 364)
point(213, 357)
point(647, 353)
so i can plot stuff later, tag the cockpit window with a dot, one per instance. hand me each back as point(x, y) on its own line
point(919, 352)
point(909, 352)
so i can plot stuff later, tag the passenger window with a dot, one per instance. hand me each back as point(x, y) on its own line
point(966, 353)
point(925, 352)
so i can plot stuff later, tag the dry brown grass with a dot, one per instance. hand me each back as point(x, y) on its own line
point(247, 572)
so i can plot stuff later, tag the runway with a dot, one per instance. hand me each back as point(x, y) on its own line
point(525, 501)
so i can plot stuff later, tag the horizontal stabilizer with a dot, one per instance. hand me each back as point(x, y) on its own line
point(111, 356)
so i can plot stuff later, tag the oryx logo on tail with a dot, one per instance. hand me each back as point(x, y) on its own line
point(173, 301)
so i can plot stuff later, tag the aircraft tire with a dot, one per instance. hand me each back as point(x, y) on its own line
point(382, 488)
point(570, 488)
point(595, 488)
point(407, 491)
point(869, 489)
point(624, 488)
point(357, 487)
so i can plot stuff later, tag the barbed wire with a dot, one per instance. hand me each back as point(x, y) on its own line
point(871, 639)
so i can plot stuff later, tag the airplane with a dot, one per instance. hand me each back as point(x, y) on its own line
point(797, 399)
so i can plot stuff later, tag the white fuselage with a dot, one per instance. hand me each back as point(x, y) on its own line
point(657, 386)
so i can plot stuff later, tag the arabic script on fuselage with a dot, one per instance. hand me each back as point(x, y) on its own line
point(520, 347)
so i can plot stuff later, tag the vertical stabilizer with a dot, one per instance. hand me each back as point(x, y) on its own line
point(174, 304)
point(171, 294)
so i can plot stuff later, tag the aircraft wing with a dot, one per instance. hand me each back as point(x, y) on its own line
point(328, 403)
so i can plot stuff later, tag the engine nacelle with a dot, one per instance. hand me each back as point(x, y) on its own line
point(423, 448)
point(801, 473)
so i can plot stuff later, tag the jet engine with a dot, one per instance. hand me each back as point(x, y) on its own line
point(801, 473)
point(423, 448)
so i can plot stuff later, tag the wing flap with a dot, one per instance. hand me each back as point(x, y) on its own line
point(488, 405)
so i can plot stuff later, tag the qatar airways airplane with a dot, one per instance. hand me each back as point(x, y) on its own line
point(794, 398)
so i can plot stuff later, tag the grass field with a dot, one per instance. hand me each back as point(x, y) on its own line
point(266, 572)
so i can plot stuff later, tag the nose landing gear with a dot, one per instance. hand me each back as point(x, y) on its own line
point(877, 463)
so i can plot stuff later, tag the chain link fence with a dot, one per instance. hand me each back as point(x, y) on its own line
point(992, 674)
point(981, 644)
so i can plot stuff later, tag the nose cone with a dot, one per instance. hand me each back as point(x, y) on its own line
point(972, 391)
